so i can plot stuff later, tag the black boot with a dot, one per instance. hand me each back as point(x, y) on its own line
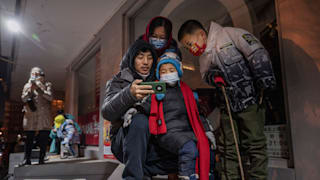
point(41, 157)
point(25, 163)
point(41, 161)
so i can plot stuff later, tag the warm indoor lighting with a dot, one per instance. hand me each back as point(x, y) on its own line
point(188, 67)
point(13, 26)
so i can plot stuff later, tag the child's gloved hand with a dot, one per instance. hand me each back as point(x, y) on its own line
point(160, 97)
point(219, 81)
point(128, 116)
point(211, 138)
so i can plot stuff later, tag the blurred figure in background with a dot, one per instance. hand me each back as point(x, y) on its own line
point(55, 143)
point(69, 132)
point(37, 96)
point(3, 95)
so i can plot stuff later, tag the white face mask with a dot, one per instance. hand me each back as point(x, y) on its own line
point(171, 78)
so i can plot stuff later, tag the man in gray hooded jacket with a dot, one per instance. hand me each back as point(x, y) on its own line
point(131, 142)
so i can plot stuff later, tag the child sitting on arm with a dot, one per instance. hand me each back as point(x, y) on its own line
point(174, 119)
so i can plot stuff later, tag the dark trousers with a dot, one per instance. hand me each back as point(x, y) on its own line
point(58, 143)
point(42, 141)
point(249, 127)
point(134, 146)
point(188, 154)
point(187, 159)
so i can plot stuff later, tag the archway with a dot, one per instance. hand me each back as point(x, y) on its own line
point(257, 17)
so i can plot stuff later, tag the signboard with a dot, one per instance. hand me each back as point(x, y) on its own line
point(277, 145)
point(90, 127)
point(107, 141)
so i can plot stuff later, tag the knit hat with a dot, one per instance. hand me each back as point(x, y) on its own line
point(129, 60)
point(170, 57)
point(69, 116)
point(37, 70)
point(58, 120)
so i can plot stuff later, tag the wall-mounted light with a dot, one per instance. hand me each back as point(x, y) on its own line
point(188, 67)
point(13, 26)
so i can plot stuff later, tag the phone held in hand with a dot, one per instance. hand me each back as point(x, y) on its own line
point(31, 104)
point(157, 86)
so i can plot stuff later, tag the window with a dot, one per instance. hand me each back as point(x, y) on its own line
point(88, 100)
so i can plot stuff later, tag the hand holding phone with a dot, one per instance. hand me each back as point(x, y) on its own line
point(140, 91)
point(157, 86)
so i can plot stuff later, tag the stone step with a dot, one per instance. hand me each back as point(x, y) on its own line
point(68, 170)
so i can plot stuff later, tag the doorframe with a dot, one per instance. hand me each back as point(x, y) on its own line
point(285, 88)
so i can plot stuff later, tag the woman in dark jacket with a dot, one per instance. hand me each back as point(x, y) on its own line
point(159, 34)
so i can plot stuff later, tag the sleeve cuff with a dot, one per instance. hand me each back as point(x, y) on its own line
point(129, 96)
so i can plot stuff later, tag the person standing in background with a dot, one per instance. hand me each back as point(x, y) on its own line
point(37, 96)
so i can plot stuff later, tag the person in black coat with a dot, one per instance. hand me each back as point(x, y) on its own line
point(131, 141)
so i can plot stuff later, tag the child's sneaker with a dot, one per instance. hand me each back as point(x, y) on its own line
point(64, 151)
point(191, 177)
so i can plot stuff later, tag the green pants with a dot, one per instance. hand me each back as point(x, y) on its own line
point(249, 127)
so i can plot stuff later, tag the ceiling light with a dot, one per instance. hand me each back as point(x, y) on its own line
point(13, 26)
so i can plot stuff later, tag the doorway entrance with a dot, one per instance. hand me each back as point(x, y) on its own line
point(257, 17)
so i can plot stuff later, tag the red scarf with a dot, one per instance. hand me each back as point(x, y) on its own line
point(157, 126)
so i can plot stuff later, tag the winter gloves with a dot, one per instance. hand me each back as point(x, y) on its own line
point(218, 80)
point(266, 83)
point(128, 116)
point(211, 138)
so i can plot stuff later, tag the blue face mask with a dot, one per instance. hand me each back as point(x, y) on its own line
point(33, 77)
point(157, 43)
point(171, 78)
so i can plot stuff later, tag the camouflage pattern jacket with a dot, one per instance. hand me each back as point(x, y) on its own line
point(238, 57)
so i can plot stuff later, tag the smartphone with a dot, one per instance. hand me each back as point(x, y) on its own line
point(157, 86)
